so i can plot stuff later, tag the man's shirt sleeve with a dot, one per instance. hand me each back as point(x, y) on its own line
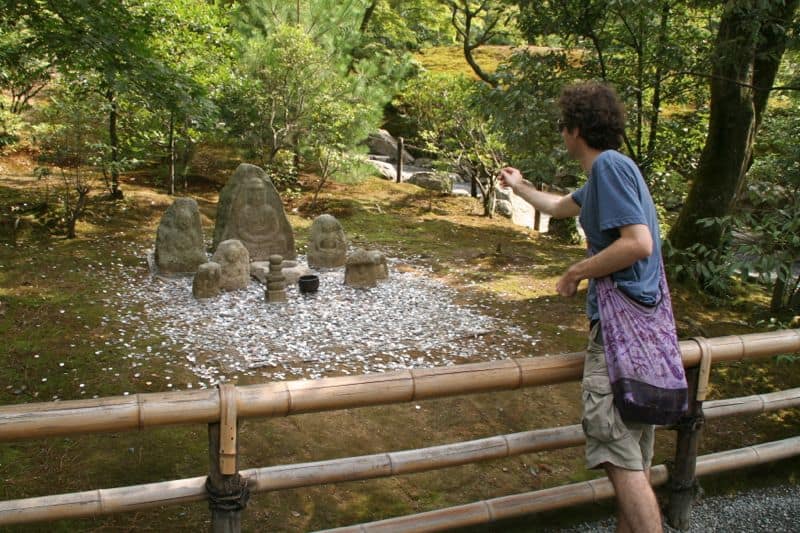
point(579, 195)
point(619, 199)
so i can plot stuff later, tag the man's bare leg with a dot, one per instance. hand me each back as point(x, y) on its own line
point(637, 504)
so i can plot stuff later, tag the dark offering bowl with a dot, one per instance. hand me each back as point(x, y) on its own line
point(308, 283)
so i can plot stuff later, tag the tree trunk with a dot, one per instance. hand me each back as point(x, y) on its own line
point(745, 33)
point(113, 141)
point(74, 214)
point(172, 154)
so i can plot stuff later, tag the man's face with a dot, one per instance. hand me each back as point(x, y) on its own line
point(570, 139)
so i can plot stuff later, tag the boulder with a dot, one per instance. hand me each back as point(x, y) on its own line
point(234, 261)
point(179, 239)
point(206, 282)
point(514, 207)
point(504, 207)
point(382, 143)
point(364, 269)
point(327, 244)
point(433, 181)
point(250, 210)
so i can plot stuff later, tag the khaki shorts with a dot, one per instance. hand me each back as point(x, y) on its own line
point(608, 438)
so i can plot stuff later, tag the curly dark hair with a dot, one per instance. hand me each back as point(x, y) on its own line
point(595, 109)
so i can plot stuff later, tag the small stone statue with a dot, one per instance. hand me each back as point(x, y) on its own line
point(207, 281)
point(234, 262)
point(327, 246)
point(276, 282)
point(179, 239)
point(364, 269)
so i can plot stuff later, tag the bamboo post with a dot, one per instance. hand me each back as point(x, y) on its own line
point(683, 483)
point(227, 490)
point(400, 144)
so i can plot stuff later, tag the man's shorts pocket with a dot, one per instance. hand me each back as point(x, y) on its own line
point(601, 420)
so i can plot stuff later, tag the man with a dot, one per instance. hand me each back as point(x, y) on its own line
point(619, 218)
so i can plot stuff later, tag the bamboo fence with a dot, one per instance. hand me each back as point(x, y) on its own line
point(140, 411)
point(222, 407)
point(147, 496)
point(506, 507)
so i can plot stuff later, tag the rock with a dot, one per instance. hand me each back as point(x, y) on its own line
point(364, 269)
point(250, 210)
point(234, 262)
point(179, 238)
point(327, 245)
point(423, 162)
point(382, 143)
point(386, 170)
point(504, 207)
point(514, 207)
point(206, 282)
point(433, 181)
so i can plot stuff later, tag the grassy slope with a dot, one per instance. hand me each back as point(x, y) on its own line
point(511, 269)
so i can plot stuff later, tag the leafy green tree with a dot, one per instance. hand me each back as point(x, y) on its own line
point(768, 216)
point(110, 45)
point(24, 67)
point(427, 20)
point(451, 124)
point(106, 41)
point(525, 114)
point(478, 22)
point(191, 41)
point(647, 49)
point(68, 140)
point(750, 43)
point(290, 97)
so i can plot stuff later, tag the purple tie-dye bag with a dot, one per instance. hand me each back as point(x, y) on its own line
point(644, 361)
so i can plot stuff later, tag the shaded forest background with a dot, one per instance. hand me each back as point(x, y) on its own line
point(180, 87)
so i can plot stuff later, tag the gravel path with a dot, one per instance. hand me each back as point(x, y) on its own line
point(768, 510)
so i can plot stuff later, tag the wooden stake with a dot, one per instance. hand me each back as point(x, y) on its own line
point(682, 478)
point(227, 490)
point(400, 144)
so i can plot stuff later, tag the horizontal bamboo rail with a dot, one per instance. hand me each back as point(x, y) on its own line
point(139, 411)
point(141, 497)
point(505, 507)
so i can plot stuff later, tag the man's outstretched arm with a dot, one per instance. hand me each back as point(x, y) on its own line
point(554, 205)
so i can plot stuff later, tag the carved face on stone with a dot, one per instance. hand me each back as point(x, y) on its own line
point(256, 222)
point(327, 244)
point(179, 238)
point(250, 210)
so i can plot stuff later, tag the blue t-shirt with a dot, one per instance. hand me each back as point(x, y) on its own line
point(616, 195)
